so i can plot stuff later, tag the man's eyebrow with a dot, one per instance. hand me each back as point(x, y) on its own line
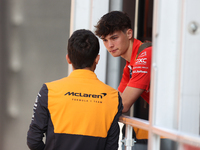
point(113, 35)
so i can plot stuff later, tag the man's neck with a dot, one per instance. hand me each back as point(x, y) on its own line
point(87, 68)
point(127, 55)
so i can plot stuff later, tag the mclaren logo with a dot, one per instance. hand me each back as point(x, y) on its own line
point(101, 95)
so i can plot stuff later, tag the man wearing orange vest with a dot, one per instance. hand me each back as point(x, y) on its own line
point(79, 111)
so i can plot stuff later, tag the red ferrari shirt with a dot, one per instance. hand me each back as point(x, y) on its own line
point(137, 72)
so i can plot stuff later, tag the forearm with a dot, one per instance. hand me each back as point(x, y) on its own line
point(129, 97)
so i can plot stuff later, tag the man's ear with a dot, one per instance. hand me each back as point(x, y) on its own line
point(129, 33)
point(68, 60)
point(97, 59)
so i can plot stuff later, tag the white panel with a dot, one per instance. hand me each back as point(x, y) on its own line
point(190, 92)
point(85, 15)
point(166, 62)
point(99, 8)
point(82, 14)
point(175, 88)
point(79, 18)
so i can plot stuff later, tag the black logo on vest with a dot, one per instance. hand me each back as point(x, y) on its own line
point(101, 95)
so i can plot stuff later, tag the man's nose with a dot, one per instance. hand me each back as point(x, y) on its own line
point(110, 43)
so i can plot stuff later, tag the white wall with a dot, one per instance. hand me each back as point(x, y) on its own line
point(85, 16)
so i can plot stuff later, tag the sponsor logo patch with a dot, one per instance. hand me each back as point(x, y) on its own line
point(101, 95)
point(141, 61)
point(143, 54)
point(139, 71)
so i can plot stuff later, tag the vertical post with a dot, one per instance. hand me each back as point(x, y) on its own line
point(129, 142)
point(3, 80)
point(113, 63)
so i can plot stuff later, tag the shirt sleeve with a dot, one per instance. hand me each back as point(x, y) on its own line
point(113, 133)
point(141, 70)
point(39, 121)
point(125, 79)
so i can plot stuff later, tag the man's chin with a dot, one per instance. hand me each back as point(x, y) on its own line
point(115, 55)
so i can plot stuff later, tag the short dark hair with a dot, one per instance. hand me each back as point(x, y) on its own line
point(111, 22)
point(83, 48)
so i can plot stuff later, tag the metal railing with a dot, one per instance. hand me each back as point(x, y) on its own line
point(171, 134)
point(131, 122)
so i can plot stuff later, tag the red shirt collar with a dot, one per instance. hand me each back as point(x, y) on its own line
point(136, 45)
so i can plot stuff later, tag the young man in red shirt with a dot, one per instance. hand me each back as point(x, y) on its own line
point(114, 28)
